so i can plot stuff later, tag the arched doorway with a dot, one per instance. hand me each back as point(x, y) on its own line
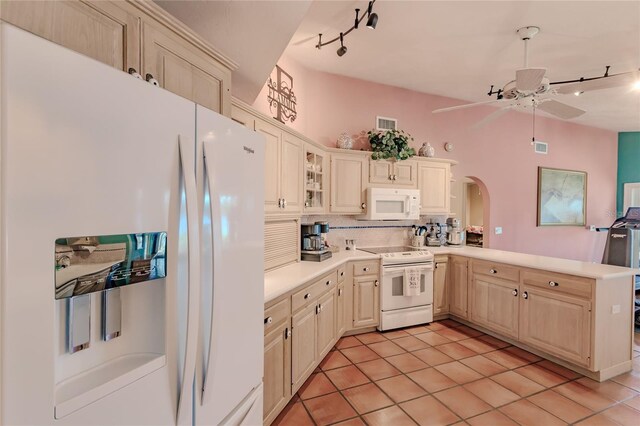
point(472, 208)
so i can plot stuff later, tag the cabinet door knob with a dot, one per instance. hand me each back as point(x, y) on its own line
point(340, 292)
point(363, 205)
point(553, 284)
point(525, 295)
point(342, 274)
point(514, 292)
point(328, 282)
point(308, 295)
point(377, 282)
point(268, 320)
point(284, 203)
point(395, 177)
point(287, 333)
point(493, 271)
point(135, 73)
point(390, 177)
point(151, 80)
point(366, 269)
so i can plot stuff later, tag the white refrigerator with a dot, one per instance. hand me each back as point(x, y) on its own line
point(131, 255)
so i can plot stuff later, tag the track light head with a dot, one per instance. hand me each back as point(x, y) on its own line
point(372, 19)
point(342, 49)
point(357, 19)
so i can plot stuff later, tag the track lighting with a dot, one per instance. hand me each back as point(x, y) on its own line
point(372, 21)
point(342, 49)
point(636, 85)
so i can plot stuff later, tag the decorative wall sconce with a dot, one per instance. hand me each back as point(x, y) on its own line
point(372, 21)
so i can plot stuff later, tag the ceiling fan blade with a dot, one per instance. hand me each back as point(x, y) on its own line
point(560, 109)
point(493, 116)
point(617, 80)
point(453, 108)
point(529, 79)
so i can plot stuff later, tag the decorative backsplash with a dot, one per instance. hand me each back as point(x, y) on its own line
point(367, 233)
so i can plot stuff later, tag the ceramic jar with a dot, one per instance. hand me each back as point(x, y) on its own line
point(426, 150)
point(344, 141)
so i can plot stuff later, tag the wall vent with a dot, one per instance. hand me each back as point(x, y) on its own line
point(386, 123)
point(541, 147)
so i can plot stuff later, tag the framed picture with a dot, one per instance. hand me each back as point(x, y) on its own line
point(562, 197)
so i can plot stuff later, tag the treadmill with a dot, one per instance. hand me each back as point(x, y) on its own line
point(623, 247)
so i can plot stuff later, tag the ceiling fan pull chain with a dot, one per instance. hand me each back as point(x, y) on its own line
point(533, 132)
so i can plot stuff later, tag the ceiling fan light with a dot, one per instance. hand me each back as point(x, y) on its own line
point(578, 93)
point(372, 21)
point(636, 85)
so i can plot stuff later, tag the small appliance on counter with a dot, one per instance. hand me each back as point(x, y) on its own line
point(455, 233)
point(434, 235)
point(313, 246)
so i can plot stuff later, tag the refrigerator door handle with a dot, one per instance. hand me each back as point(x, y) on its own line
point(214, 205)
point(193, 303)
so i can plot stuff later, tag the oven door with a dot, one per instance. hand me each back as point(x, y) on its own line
point(392, 294)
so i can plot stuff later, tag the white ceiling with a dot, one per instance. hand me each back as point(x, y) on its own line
point(252, 33)
point(458, 49)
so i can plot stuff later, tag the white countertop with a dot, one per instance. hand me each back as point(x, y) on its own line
point(285, 279)
point(551, 264)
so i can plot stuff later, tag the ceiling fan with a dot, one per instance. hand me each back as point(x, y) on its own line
point(532, 88)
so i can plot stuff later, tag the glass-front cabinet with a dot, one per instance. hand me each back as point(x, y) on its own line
point(316, 182)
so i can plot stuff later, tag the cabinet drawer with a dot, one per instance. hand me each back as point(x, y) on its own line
point(311, 292)
point(342, 274)
point(276, 315)
point(365, 268)
point(493, 269)
point(568, 284)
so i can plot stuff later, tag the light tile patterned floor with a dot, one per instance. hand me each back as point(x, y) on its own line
point(447, 373)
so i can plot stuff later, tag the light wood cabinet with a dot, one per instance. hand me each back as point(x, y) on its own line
point(283, 169)
point(434, 182)
point(316, 179)
point(277, 371)
point(559, 324)
point(106, 31)
point(440, 284)
point(493, 303)
point(303, 346)
point(184, 70)
point(348, 182)
point(326, 326)
point(458, 288)
point(341, 324)
point(393, 173)
point(366, 301)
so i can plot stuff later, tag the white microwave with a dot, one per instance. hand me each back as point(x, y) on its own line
point(391, 204)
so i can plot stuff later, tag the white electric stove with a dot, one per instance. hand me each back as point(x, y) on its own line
point(398, 310)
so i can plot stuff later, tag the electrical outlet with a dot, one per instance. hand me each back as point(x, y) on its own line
point(498, 230)
point(592, 228)
point(615, 309)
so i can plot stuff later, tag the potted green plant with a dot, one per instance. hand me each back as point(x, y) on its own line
point(387, 144)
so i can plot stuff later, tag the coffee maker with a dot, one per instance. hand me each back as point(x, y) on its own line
point(313, 244)
point(455, 233)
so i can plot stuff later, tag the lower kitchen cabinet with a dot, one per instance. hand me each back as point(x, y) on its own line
point(493, 303)
point(458, 270)
point(341, 324)
point(303, 346)
point(440, 296)
point(366, 301)
point(559, 324)
point(277, 372)
point(326, 323)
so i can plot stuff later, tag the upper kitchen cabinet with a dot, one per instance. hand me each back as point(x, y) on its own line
point(184, 69)
point(393, 173)
point(283, 169)
point(106, 31)
point(316, 179)
point(434, 182)
point(348, 182)
point(132, 34)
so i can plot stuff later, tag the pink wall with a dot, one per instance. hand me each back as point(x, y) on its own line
point(499, 154)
